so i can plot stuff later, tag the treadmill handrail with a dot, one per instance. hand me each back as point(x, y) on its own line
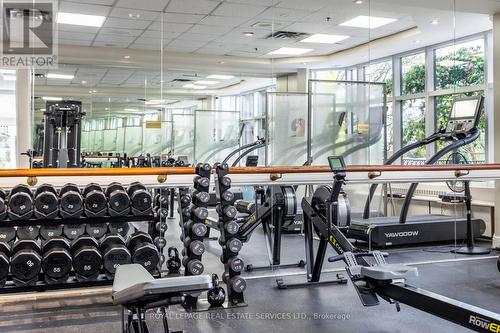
point(471, 137)
point(248, 151)
point(392, 159)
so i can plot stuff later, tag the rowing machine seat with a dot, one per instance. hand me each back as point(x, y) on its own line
point(388, 272)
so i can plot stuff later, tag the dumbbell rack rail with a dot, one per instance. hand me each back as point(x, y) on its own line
point(10, 288)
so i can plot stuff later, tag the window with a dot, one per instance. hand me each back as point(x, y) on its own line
point(460, 65)
point(413, 74)
point(380, 72)
point(133, 121)
point(389, 130)
point(475, 152)
point(8, 119)
point(414, 125)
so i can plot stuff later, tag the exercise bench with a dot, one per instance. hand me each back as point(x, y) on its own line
point(137, 290)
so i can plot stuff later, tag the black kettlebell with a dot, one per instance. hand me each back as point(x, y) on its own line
point(217, 295)
point(173, 262)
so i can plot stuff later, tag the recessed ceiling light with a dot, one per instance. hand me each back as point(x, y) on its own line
point(60, 76)
point(220, 77)
point(290, 51)
point(207, 83)
point(134, 16)
point(50, 98)
point(80, 19)
point(131, 110)
point(434, 22)
point(358, 2)
point(249, 33)
point(222, 62)
point(126, 57)
point(94, 91)
point(324, 39)
point(368, 22)
point(417, 41)
point(84, 82)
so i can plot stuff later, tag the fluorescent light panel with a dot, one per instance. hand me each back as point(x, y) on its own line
point(367, 22)
point(220, 77)
point(290, 51)
point(194, 86)
point(60, 76)
point(80, 19)
point(50, 98)
point(131, 110)
point(9, 77)
point(324, 39)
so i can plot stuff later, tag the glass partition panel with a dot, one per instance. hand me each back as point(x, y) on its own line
point(287, 124)
point(120, 140)
point(157, 140)
point(347, 118)
point(217, 133)
point(183, 135)
point(133, 141)
point(109, 141)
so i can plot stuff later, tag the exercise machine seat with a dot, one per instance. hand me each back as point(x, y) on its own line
point(389, 272)
point(134, 284)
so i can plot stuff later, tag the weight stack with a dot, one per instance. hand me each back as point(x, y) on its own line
point(194, 228)
point(229, 232)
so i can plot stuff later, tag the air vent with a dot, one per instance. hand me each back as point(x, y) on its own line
point(286, 35)
point(182, 80)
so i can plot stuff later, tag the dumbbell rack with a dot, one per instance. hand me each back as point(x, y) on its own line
point(71, 283)
point(229, 241)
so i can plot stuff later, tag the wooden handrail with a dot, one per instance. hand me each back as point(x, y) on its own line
point(235, 170)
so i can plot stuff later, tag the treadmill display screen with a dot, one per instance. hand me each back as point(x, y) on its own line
point(464, 109)
point(336, 163)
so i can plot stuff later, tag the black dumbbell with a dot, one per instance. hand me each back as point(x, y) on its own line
point(160, 242)
point(20, 203)
point(56, 260)
point(26, 262)
point(161, 227)
point(114, 253)
point(229, 211)
point(4, 262)
point(198, 229)
point(162, 199)
point(51, 231)
point(195, 246)
point(202, 182)
point(200, 212)
point(46, 202)
point(186, 200)
point(121, 228)
point(236, 264)
point(140, 199)
point(3, 207)
point(200, 198)
point(173, 262)
point(162, 212)
point(118, 200)
point(228, 196)
point(234, 245)
point(73, 231)
point(87, 259)
point(71, 201)
point(237, 284)
point(232, 227)
point(96, 230)
point(144, 252)
point(193, 266)
point(7, 234)
point(95, 203)
point(28, 232)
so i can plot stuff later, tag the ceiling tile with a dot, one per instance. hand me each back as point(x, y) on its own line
point(121, 32)
point(170, 27)
point(211, 51)
point(187, 43)
point(310, 5)
point(186, 49)
point(68, 35)
point(113, 22)
point(182, 18)
point(228, 21)
point(157, 34)
point(95, 2)
point(113, 38)
point(81, 8)
point(284, 14)
point(192, 6)
point(234, 9)
point(146, 46)
point(77, 28)
point(209, 29)
point(144, 14)
point(257, 2)
point(158, 5)
point(197, 37)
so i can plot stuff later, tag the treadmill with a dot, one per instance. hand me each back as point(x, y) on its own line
point(402, 230)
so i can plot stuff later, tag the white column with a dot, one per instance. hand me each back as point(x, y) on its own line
point(496, 120)
point(23, 117)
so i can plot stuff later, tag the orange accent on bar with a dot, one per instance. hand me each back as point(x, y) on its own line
point(235, 170)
